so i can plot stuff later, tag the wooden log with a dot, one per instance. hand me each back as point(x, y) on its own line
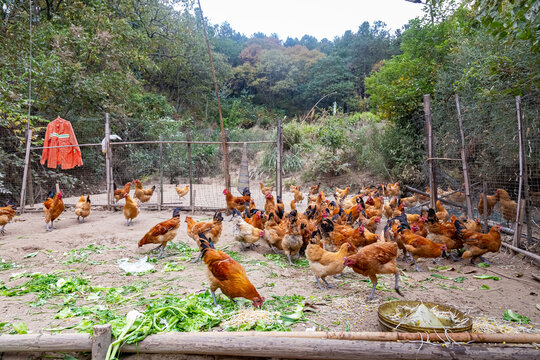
point(431, 151)
point(41, 342)
point(534, 257)
point(464, 162)
point(101, 339)
point(313, 348)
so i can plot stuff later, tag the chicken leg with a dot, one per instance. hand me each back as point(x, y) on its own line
point(328, 285)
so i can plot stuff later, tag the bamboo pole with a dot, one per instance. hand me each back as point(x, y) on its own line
point(223, 138)
point(107, 159)
point(182, 142)
point(26, 167)
point(464, 161)
point(526, 198)
point(519, 212)
point(485, 207)
point(279, 149)
point(431, 161)
point(534, 257)
point(61, 146)
point(160, 200)
point(190, 167)
point(101, 339)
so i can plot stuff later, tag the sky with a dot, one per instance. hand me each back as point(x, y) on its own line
point(318, 18)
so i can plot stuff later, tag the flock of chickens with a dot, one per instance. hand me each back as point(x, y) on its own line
point(331, 234)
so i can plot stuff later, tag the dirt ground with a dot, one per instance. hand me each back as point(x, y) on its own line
point(346, 308)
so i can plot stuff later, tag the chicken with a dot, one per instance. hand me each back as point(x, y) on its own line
point(325, 263)
point(348, 203)
point(274, 233)
point(266, 190)
point(507, 205)
point(473, 225)
point(271, 207)
point(119, 193)
point(491, 202)
point(236, 202)
point(371, 224)
point(211, 229)
point(455, 196)
point(410, 201)
point(341, 194)
point(228, 275)
point(82, 208)
point(181, 191)
point(377, 258)
point(343, 233)
point(131, 209)
point(245, 233)
point(162, 233)
point(392, 189)
point(6, 215)
point(314, 189)
point(374, 207)
point(442, 233)
point(52, 208)
point(144, 195)
point(478, 244)
point(256, 220)
point(388, 209)
point(442, 213)
point(292, 241)
point(298, 196)
point(420, 247)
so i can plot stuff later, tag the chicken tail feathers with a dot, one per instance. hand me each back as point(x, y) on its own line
point(205, 244)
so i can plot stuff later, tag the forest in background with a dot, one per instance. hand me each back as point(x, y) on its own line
point(145, 63)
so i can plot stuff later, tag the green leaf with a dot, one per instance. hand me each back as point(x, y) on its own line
point(460, 279)
point(485, 287)
point(487, 277)
point(30, 255)
point(510, 315)
point(483, 265)
point(20, 328)
point(440, 276)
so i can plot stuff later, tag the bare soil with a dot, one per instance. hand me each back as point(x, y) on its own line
point(340, 309)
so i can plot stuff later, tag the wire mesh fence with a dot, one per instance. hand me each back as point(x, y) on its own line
point(189, 160)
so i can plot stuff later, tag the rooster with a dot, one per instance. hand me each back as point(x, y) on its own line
point(52, 208)
point(212, 230)
point(6, 215)
point(239, 203)
point(265, 190)
point(144, 195)
point(228, 275)
point(162, 233)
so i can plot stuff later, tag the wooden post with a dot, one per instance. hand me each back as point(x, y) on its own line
point(223, 137)
point(485, 209)
point(101, 339)
point(519, 212)
point(279, 149)
point(431, 161)
point(160, 199)
point(108, 160)
point(193, 203)
point(30, 183)
point(26, 167)
point(190, 167)
point(464, 162)
point(523, 159)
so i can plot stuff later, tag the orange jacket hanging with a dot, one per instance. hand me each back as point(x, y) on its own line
point(60, 133)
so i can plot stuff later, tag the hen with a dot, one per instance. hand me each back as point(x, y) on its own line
point(341, 194)
point(292, 241)
point(245, 233)
point(228, 275)
point(442, 213)
point(420, 247)
point(162, 233)
point(6, 215)
point(377, 258)
point(181, 191)
point(82, 208)
point(325, 263)
point(52, 208)
point(119, 193)
point(508, 206)
point(131, 209)
point(211, 229)
point(298, 196)
point(144, 195)
point(491, 202)
point(236, 202)
point(265, 189)
point(478, 244)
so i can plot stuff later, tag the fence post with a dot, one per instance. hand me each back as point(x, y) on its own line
point(431, 161)
point(464, 162)
point(108, 160)
point(190, 167)
point(26, 167)
point(523, 180)
point(160, 200)
point(485, 207)
point(279, 143)
point(101, 340)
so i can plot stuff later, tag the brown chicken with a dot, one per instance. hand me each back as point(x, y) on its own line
point(292, 241)
point(298, 196)
point(144, 195)
point(478, 244)
point(325, 263)
point(491, 202)
point(341, 194)
point(210, 229)
point(131, 209)
point(314, 189)
point(6, 215)
point(119, 193)
point(392, 189)
point(255, 220)
point(442, 213)
point(236, 202)
point(274, 233)
point(508, 206)
point(181, 191)
point(371, 224)
point(442, 233)
point(52, 208)
point(162, 233)
point(410, 201)
point(82, 208)
point(420, 247)
point(374, 207)
point(377, 258)
point(228, 275)
point(266, 189)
